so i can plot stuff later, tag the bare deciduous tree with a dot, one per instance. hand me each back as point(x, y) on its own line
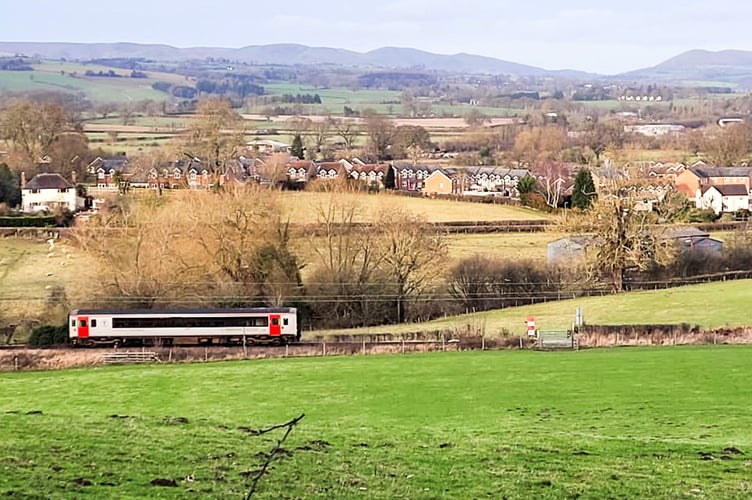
point(216, 135)
point(32, 127)
point(348, 130)
point(622, 237)
point(414, 254)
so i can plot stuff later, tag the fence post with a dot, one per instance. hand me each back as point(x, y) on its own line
point(245, 348)
point(482, 343)
point(403, 345)
point(287, 349)
point(169, 358)
point(443, 343)
point(206, 354)
point(323, 345)
point(364, 345)
point(15, 362)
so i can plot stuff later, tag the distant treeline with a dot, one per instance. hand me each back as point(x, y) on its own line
point(14, 64)
point(394, 80)
point(121, 62)
point(298, 98)
point(231, 86)
point(113, 74)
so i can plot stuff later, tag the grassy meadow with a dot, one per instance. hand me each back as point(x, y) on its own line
point(620, 423)
point(302, 208)
point(71, 77)
point(709, 305)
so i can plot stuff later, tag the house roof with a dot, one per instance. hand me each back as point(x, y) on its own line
point(48, 181)
point(729, 189)
point(500, 171)
point(685, 232)
point(709, 172)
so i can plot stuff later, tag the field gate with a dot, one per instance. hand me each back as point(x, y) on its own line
point(556, 339)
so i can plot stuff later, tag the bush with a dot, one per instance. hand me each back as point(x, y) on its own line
point(49, 335)
point(33, 221)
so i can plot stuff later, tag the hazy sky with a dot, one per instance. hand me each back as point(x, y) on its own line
point(603, 36)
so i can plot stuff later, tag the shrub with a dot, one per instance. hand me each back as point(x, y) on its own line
point(49, 335)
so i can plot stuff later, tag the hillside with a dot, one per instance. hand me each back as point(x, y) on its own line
point(79, 79)
point(731, 68)
point(278, 54)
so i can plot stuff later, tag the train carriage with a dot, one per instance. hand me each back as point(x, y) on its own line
point(183, 326)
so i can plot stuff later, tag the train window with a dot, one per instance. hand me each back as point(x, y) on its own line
point(73, 322)
point(275, 321)
point(82, 323)
point(285, 321)
point(93, 323)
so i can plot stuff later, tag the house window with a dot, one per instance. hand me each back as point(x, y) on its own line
point(63, 190)
point(177, 175)
point(193, 176)
point(35, 191)
point(100, 174)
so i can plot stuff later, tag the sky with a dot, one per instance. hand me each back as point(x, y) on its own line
point(603, 36)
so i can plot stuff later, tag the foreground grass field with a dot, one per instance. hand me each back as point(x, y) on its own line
point(626, 423)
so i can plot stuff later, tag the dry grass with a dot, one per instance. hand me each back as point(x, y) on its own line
point(301, 207)
point(502, 245)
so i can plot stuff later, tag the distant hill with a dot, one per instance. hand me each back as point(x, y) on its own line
point(284, 54)
point(726, 67)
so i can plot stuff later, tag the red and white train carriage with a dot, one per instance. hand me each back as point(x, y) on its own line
point(175, 326)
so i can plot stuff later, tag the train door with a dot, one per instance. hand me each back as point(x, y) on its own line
point(83, 327)
point(275, 328)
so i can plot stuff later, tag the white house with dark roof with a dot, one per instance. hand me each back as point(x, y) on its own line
point(723, 198)
point(47, 192)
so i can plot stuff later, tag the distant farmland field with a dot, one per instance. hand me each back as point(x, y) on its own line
point(621, 423)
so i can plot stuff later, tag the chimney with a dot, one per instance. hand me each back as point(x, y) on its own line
point(73, 177)
point(23, 180)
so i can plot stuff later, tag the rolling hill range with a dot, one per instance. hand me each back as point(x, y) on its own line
point(282, 54)
point(701, 67)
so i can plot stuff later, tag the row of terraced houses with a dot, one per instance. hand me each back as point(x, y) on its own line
point(725, 189)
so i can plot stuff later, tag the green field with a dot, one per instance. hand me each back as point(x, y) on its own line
point(70, 77)
point(689, 304)
point(622, 423)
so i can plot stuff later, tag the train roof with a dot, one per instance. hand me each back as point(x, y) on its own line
point(174, 312)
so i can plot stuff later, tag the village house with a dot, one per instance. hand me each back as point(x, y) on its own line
point(110, 171)
point(410, 177)
point(372, 174)
point(50, 192)
point(723, 198)
point(699, 176)
point(501, 180)
point(441, 181)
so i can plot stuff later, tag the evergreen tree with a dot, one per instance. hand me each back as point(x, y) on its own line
point(297, 148)
point(583, 191)
point(389, 178)
point(10, 192)
point(526, 187)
